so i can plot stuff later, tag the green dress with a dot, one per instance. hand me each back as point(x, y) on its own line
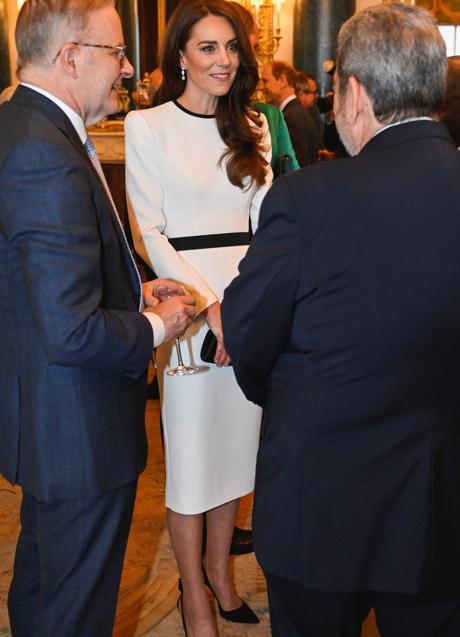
point(281, 142)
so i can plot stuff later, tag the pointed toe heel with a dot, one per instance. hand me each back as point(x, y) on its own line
point(241, 615)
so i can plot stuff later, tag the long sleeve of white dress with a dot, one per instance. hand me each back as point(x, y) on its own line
point(176, 188)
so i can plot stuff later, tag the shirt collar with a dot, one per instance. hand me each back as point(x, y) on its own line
point(285, 102)
point(74, 117)
point(402, 121)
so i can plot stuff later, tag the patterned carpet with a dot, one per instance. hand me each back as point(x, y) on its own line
point(147, 604)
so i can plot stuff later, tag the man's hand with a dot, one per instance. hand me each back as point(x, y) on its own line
point(176, 313)
point(148, 290)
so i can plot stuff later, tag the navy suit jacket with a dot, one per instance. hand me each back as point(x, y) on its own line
point(344, 323)
point(303, 132)
point(73, 347)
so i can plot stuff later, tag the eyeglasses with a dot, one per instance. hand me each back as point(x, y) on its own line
point(119, 50)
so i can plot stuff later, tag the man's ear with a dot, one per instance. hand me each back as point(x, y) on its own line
point(283, 80)
point(68, 59)
point(358, 101)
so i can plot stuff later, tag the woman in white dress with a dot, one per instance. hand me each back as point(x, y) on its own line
point(197, 170)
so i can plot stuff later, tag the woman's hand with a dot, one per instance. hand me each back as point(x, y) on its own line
point(213, 319)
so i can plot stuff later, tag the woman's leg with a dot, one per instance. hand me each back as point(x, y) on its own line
point(186, 537)
point(219, 524)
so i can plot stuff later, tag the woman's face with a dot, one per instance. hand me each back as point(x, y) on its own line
point(211, 57)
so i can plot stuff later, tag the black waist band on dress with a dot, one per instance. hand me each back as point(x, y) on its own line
point(205, 241)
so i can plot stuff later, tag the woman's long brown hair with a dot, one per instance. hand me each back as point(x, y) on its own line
point(243, 140)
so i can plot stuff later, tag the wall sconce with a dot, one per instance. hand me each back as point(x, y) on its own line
point(267, 14)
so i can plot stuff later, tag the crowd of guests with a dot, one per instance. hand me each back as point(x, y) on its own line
point(331, 298)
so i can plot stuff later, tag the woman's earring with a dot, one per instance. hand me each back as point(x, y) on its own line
point(182, 73)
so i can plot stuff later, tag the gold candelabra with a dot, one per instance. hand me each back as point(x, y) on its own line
point(267, 15)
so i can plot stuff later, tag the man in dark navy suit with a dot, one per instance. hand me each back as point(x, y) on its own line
point(74, 345)
point(278, 80)
point(344, 323)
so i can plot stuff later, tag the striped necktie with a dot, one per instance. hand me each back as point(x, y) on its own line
point(89, 147)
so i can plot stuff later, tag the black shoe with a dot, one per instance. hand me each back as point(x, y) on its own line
point(241, 615)
point(180, 606)
point(241, 541)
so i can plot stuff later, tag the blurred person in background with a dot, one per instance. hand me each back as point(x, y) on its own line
point(278, 82)
point(306, 90)
point(283, 155)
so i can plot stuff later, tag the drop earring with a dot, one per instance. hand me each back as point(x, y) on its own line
point(182, 73)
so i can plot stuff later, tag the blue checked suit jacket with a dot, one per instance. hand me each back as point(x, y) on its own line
point(73, 347)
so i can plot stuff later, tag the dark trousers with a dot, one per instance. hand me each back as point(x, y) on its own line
point(299, 612)
point(68, 564)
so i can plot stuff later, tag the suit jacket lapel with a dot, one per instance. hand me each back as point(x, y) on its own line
point(32, 99)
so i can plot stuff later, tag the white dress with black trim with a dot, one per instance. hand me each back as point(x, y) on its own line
point(177, 188)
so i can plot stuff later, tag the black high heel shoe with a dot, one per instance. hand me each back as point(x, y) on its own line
point(242, 541)
point(241, 615)
point(180, 606)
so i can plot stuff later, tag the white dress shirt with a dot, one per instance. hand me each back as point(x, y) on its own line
point(285, 102)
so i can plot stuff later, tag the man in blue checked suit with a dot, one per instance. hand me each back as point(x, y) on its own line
point(74, 345)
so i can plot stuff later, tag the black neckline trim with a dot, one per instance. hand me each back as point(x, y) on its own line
point(182, 108)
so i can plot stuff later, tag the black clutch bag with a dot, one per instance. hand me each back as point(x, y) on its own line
point(208, 349)
point(282, 165)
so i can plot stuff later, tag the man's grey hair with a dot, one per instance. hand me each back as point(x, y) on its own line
point(44, 24)
point(397, 53)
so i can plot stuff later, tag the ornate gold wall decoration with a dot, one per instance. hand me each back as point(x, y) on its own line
point(267, 15)
point(445, 11)
point(5, 78)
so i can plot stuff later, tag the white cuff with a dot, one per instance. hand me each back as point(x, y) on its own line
point(157, 326)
